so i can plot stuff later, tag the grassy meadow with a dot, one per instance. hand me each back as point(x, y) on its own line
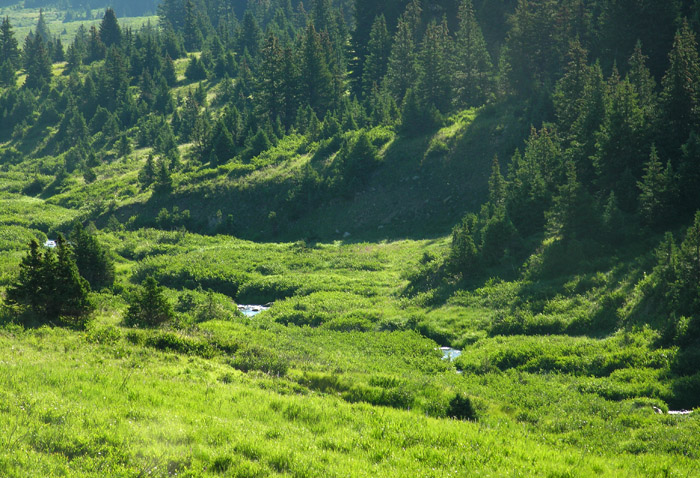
point(343, 375)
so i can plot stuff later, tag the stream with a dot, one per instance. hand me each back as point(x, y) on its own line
point(252, 310)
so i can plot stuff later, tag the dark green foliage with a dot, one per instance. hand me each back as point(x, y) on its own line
point(93, 261)
point(377, 60)
point(195, 70)
point(37, 63)
point(259, 358)
point(464, 257)
point(401, 70)
point(434, 87)
point(680, 95)
point(149, 307)
point(9, 51)
point(461, 408)
point(657, 192)
point(49, 286)
point(110, 33)
point(473, 69)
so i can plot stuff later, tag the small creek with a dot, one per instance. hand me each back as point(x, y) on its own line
point(252, 310)
point(449, 353)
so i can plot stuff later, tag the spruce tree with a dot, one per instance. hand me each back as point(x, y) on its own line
point(316, 81)
point(680, 96)
point(401, 70)
point(473, 80)
point(37, 63)
point(377, 59)
point(49, 286)
point(434, 86)
point(9, 51)
point(94, 264)
point(657, 192)
point(42, 29)
point(270, 80)
point(192, 31)
point(110, 33)
point(149, 307)
point(569, 93)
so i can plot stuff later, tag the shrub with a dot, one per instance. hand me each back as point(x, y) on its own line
point(259, 358)
point(149, 308)
point(461, 408)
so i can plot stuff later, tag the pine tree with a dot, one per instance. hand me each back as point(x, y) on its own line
point(434, 83)
point(50, 287)
point(656, 196)
point(473, 80)
point(192, 31)
point(223, 147)
point(123, 146)
point(37, 63)
point(498, 188)
point(94, 264)
point(95, 48)
point(9, 51)
point(250, 35)
point(401, 70)
point(110, 33)
point(42, 29)
point(621, 141)
point(163, 184)
point(377, 60)
point(569, 93)
point(149, 307)
point(316, 81)
point(270, 80)
point(680, 98)
point(147, 175)
point(7, 74)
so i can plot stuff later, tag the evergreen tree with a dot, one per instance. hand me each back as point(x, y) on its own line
point(250, 35)
point(37, 63)
point(316, 81)
point(163, 184)
point(657, 192)
point(42, 29)
point(621, 142)
point(270, 83)
point(149, 307)
point(680, 96)
point(95, 48)
point(147, 175)
point(192, 32)
point(434, 83)
point(473, 80)
point(498, 189)
point(223, 147)
point(123, 146)
point(377, 60)
point(58, 54)
point(401, 70)
point(110, 33)
point(9, 51)
point(464, 256)
point(94, 264)
point(195, 70)
point(569, 94)
point(7, 74)
point(50, 287)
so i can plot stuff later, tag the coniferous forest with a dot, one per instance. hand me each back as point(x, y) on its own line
point(349, 238)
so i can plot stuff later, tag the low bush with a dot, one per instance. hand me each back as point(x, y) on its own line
point(255, 357)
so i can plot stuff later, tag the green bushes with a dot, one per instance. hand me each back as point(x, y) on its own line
point(259, 358)
point(461, 408)
point(149, 308)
